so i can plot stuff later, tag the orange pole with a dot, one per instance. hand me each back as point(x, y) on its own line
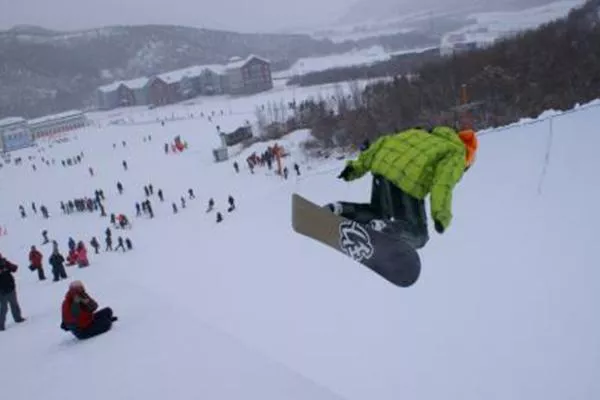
point(463, 94)
point(466, 120)
point(278, 157)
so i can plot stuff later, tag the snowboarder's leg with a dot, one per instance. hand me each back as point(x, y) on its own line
point(362, 213)
point(401, 214)
point(391, 211)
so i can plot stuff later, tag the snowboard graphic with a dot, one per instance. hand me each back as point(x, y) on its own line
point(389, 257)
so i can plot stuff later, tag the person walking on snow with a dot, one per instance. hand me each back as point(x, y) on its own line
point(120, 244)
point(57, 261)
point(95, 245)
point(406, 167)
point(80, 315)
point(8, 293)
point(35, 259)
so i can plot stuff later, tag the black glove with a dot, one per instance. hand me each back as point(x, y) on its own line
point(439, 228)
point(63, 326)
point(345, 174)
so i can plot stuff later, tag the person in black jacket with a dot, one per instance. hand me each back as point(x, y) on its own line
point(8, 293)
point(58, 264)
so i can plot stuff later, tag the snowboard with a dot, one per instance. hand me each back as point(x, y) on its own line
point(389, 257)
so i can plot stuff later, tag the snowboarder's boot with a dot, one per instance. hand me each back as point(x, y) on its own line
point(378, 224)
point(335, 208)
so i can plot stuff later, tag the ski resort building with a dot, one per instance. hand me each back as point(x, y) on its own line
point(14, 134)
point(159, 92)
point(58, 123)
point(139, 88)
point(248, 76)
point(114, 95)
point(212, 80)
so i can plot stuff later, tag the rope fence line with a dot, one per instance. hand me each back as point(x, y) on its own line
point(539, 120)
point(547, 157)
point(550, 141)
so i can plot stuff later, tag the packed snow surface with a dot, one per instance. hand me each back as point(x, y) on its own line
point(506, 306)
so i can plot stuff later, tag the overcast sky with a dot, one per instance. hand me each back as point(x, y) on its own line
point(240, 15)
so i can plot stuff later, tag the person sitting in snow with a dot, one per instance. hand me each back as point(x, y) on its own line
point(406, 167)
point(72, 257)
point(80, 315)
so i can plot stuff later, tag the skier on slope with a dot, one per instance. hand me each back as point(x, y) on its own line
point(406, 167)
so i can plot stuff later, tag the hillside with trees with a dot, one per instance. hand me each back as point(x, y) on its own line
point(553, 67)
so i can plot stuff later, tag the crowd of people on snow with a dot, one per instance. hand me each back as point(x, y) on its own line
point(267, 158)
point(80, 312)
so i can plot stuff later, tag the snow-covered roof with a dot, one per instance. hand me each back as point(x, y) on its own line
point(241, 63)
point(133, 84)
point(11, 121)
point(190, 72)
point(110, 87)
point(179, 74)
point(55, 117)
point(138, 83)
point(216, 68)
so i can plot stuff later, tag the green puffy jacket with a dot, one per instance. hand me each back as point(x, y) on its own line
point(418, 162)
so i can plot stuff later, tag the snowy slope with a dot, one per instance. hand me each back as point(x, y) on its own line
point(505, 308)
point(494, 23)
point(490, 26)
point(356, 57)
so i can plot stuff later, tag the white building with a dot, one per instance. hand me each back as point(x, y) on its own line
point(14, 134)
point(58, 123)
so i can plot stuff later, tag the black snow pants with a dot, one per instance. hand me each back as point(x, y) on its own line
point(404, 215)
point(58, 270)
point(101, 323)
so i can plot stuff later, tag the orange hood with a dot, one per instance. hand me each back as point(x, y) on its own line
point(469, 139)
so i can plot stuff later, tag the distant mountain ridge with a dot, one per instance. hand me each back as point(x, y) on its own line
point(364, 10)
point(44, 71)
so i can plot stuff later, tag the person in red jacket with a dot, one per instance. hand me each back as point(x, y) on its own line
point(35, 260)
point(79, 315)
point(82, 258)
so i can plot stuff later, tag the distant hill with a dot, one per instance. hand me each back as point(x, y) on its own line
point(364, 10)
point(44, 71)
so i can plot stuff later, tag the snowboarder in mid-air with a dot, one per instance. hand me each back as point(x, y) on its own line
point(406, 167)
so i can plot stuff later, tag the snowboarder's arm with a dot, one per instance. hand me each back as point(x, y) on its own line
point(447, 173)
point(363, 163)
